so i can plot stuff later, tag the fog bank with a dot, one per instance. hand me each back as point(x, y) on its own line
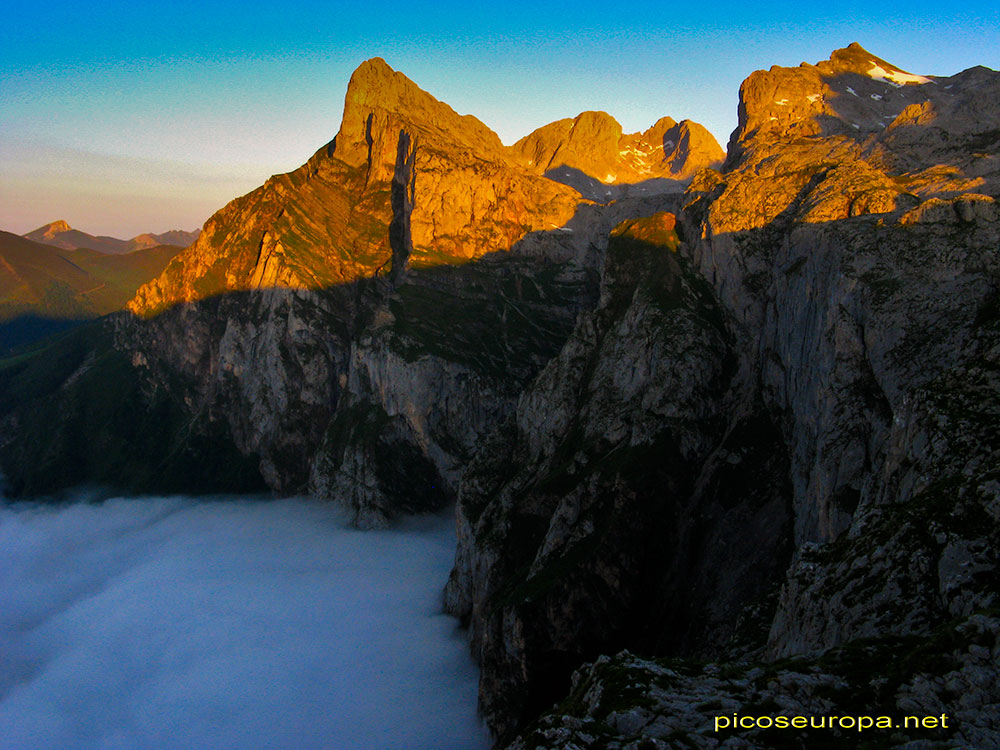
point(179, 623)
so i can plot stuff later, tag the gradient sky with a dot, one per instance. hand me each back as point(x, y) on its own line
point(123, 118)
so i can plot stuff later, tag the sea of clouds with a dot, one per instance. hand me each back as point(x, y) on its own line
point(211, 623)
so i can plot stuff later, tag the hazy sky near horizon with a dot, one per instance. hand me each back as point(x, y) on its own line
point(123, 118)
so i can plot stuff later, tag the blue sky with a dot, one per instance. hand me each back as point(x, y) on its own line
point(123, 118)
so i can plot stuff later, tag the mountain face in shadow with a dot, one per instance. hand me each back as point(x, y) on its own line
point(794, 461)
point(738, 416)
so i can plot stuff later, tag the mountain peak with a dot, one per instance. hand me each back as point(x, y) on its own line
point(856, 59)
point(854, 94)
point(380, 99)
point(48, 231)
point(590, 152)
point(657, 130)
point(373, 82)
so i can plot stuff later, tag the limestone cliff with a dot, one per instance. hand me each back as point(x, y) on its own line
point(635, 466)
point(848, 248)
point(260, 317)
point(327, 222)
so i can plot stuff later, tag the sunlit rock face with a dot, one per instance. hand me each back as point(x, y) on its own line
point(845, 228)
point(327, 223)
point(296, 272)
point(590, 153)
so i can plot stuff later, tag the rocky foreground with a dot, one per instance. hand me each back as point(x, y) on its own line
point(723, 437)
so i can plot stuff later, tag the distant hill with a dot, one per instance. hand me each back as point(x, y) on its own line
point(43, 288)
point(60, 234)
point(173, 237)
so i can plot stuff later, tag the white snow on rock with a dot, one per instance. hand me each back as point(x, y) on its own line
point(851, 91)
point(877, 97)
point(895, 77)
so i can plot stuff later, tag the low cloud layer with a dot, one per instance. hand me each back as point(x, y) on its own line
point(174, 623)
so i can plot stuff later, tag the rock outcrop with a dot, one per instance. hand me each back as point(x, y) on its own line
point(327, 223)
point(604, 510)
point(863, 693)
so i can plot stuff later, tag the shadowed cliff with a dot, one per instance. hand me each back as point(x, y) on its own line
point(854, 268)
point(753, 421)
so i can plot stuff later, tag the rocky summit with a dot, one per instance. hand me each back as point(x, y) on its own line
point(720, 429)
point(591, 154)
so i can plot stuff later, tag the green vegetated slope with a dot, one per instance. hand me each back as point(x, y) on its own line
point(44, 289)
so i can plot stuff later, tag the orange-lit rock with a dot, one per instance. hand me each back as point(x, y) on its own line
point(328, 221)
point(590, 150)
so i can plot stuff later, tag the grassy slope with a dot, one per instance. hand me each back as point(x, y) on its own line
point(44, 289)
point(44, 280)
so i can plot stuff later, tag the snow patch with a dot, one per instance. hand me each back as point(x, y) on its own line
point(877, 97)
point(782, 102)
point(814, 97)
point(896, 77)
point(851, 91)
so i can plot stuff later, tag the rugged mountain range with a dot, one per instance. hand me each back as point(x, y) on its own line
point(801, 463)
point(62, 235)
point(591, 154)
point(738, 418)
